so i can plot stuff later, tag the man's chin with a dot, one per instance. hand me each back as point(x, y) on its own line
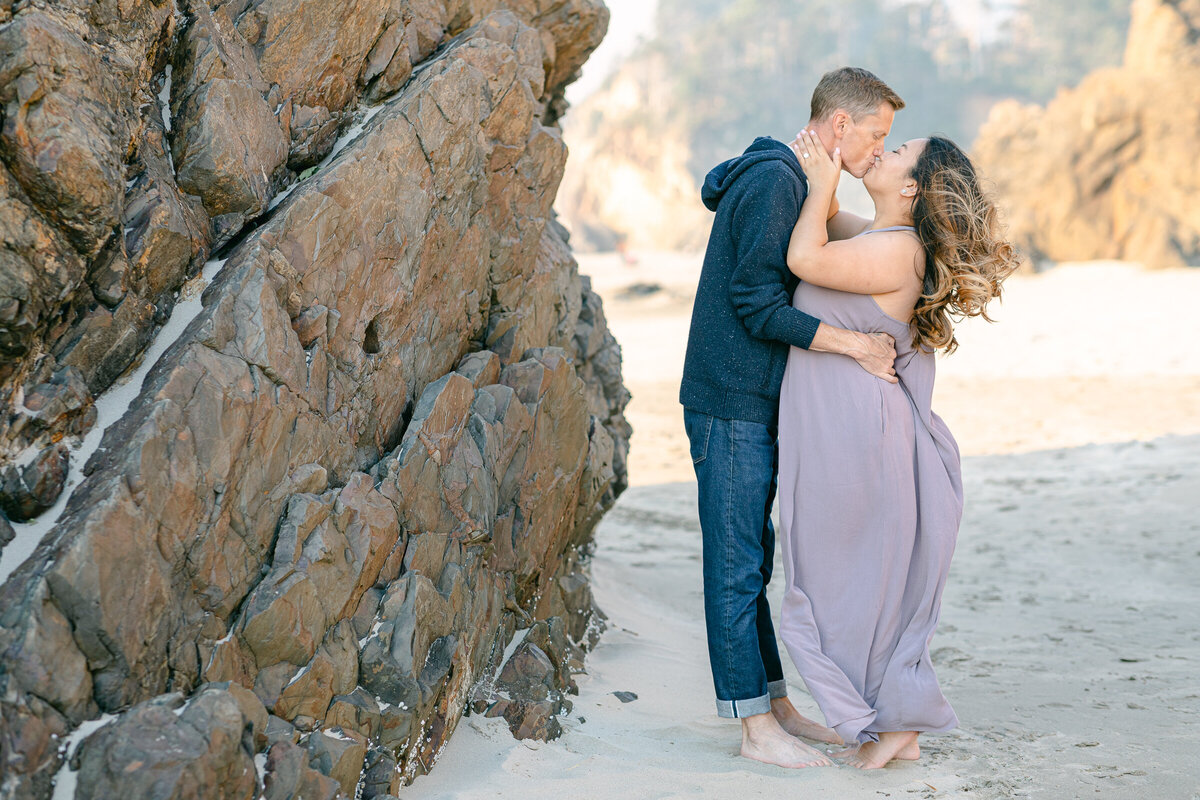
point(860, 171)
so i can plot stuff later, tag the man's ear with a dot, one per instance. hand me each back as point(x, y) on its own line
point(840, 122)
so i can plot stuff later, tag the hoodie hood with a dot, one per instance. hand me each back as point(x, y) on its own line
point(723, 176)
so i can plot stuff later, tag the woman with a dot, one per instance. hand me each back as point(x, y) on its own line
point(869, 478)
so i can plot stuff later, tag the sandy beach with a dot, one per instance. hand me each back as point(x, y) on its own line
point(1070, 635)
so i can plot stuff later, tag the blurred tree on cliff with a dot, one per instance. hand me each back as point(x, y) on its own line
point(741, 68)
point(1054, 43)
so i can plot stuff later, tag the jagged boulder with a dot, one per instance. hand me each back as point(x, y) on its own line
point(526, 686)
point(164, 749)
point(339, 754)
point(66, 116)
point(1097, 172)
point(380, 446)
point(289, 775)
point(28, 491)
point(530, 689)
point(228, 146)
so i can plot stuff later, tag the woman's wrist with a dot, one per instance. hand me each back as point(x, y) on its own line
point(820, 189)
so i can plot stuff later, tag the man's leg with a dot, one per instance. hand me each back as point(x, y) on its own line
point(734, 463)
point(733, 480)
point(768, 646)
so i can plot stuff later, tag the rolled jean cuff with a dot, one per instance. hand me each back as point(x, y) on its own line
point(736, 709)
point(777, 689)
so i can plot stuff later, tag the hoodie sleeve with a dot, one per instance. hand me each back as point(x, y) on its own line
point(762, 227)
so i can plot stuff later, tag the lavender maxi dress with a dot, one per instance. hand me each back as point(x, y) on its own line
point(870, 495)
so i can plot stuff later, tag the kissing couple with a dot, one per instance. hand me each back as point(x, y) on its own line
point(809, 373)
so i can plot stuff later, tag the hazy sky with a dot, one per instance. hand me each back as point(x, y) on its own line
point(632, 19)
point(980, 18)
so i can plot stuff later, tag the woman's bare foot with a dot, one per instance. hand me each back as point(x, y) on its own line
point(875, 755)
point(911, 752)
point(797, 724)
point(764, 740)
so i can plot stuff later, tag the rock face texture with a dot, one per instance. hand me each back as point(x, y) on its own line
point(1104, 170)
point(372, 451)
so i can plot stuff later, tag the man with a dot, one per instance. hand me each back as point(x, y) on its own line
point(742, 325)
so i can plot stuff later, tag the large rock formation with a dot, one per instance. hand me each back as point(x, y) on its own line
point(1105, 170)
point(375, 447)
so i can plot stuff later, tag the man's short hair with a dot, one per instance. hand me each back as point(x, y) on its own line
point(854, 89)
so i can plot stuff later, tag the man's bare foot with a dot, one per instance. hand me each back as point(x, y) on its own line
point(797, 724)
point(875, 755)
point(764, 740)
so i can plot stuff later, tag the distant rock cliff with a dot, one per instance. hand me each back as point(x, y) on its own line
point(628, 183)
point(1107, 169)
point(290, 339)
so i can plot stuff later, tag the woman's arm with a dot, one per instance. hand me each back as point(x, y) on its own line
point(844, 225)
point(875, 264)
point(840, 224)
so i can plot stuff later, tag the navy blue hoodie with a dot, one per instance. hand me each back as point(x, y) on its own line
point(743, 321)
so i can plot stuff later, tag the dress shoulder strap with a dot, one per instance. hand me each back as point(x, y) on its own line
point(908, 228)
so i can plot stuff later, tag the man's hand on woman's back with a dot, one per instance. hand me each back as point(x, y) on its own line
point(877, 355)
point(874, 352)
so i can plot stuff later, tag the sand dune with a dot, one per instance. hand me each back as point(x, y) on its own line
point(1070, 635)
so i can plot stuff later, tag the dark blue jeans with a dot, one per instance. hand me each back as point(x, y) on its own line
point(735, 463)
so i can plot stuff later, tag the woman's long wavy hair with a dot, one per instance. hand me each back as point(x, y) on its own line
point(966, 254)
